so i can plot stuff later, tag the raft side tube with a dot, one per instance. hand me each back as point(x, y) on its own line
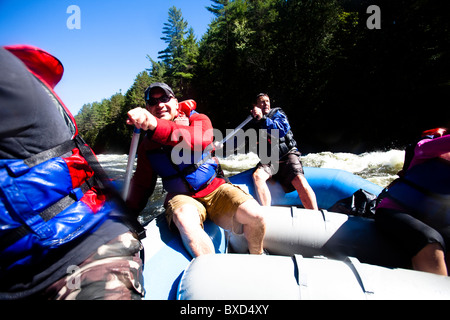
point(292, 230)
point(245, 277)
point(329, 185)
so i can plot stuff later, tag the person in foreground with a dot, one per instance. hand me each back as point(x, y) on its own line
point(415, 208)
point(177, 147)
point(290, 170)
point(62, 236)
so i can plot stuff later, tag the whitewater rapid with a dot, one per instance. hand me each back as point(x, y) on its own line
point(378, 167)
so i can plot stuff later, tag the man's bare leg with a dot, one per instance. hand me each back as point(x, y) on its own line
point(305, 192)
point(251, 215)
point(431, 259)
point(195, 239)
point(260, 177)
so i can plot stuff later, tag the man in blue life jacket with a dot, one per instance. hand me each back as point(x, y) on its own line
point(61, 236)
point(289, 169)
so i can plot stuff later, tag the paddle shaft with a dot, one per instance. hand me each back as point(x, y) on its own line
point(130, 164)
point(231, 134)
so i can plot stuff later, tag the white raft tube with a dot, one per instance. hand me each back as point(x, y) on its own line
point(251, 277)
point(291, 230)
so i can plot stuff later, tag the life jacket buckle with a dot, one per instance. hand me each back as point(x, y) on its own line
point(77, 194)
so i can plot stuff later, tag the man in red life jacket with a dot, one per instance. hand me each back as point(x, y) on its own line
point(195, 186)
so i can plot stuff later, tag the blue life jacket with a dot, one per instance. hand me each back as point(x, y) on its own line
point(286, 140)
point(40, 208)
point(425, 191)
point(192, 171)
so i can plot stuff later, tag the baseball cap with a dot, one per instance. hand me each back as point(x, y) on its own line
point(167, 90)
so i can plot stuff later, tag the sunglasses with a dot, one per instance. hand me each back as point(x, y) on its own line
point(155, 101)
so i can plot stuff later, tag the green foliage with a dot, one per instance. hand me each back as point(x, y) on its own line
point(180, 56)
point(100, 123)
point(134, 97)
point(343, 85)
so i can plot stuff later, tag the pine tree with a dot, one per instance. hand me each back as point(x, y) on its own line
point(174, 32)
point(180, 56)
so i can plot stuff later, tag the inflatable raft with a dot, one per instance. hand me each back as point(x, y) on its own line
point(313, 254)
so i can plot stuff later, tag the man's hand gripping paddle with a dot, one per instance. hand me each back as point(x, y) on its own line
point(185, 106)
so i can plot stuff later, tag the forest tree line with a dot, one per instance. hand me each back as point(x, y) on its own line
point(344, 86)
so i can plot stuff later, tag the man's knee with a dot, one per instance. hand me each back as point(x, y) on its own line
point(252, 214)
point(258, 220)
point(186, 216)
point(260, 175)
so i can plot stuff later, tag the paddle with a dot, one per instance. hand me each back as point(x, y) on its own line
point(219, 145)
point(131, 158)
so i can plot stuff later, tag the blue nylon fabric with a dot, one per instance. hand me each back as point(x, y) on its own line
point(23, 197)
point(164, 167)
point(425, 189)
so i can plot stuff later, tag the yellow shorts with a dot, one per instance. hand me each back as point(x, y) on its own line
point(220, 206)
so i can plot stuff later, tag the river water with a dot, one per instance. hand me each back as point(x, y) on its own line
point(378, 167)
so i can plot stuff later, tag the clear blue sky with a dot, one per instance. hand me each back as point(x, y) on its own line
point(108, 51)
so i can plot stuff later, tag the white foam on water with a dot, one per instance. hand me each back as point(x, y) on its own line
point(235, 164)
point(378, 167)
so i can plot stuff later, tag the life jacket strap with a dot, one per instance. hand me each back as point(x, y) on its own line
point(16, 234)
point(124, 214)
point(57, 151)
point(67, 201)
point(19, 168)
